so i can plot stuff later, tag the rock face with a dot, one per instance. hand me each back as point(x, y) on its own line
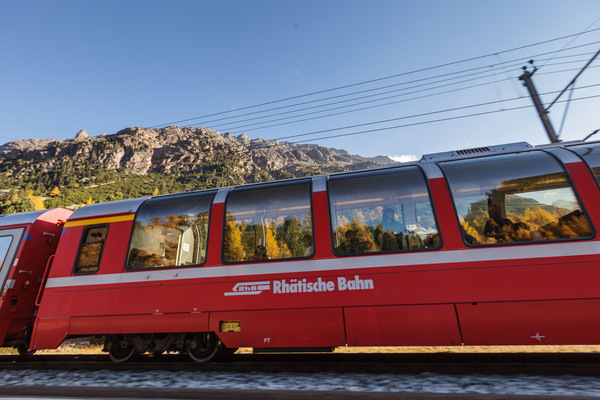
point(82, 134)
point(169, 150)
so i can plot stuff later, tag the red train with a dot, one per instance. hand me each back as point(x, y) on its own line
point(486, 246)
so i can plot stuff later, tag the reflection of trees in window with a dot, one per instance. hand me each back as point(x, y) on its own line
point(170, 232)
point(88, 258)
point(515, 198)
point(382, 211)
point(268, 223)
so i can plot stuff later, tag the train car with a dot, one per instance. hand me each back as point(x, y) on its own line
point(486, 246)
point(27, 244)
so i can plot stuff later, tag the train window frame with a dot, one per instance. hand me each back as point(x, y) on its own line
point(573, 148)
point(267, 186)
point(386, 171)
point(563, 170)
point(205, 193)
point(82, 242)
point(17, 234)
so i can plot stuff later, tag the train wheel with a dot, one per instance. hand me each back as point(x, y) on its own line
point(23, 349)
point(120, 351)
point(204, 347)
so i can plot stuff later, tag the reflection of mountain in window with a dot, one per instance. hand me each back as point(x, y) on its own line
point(515, 198)
point(382, 211)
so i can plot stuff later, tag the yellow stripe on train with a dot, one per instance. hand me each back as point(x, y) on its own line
point(94, 221)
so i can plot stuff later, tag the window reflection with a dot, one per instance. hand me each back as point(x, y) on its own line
point(170, 232)
point(5, 242)
point(88, 259)
point(268, 223)
point(514, 198)
point(381, 211)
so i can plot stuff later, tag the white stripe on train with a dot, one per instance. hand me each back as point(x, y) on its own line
point(434, 257)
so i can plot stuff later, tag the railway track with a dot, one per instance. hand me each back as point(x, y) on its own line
point(576, 364)
point(167, 394)
point(319, 376)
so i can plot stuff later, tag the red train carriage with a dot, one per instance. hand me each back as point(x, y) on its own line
point(485, 246)
point(27, 242)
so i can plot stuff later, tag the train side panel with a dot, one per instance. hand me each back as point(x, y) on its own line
point(448, 281)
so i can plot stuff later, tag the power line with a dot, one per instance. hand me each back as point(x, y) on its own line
point(421, 115)
point(501, 71)
point(379, 79)
point(248, 127)
point(431, 121)
point(516, 62)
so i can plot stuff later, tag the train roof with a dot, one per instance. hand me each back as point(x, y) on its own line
point(111, 207)
point(21, 218)
point(132, 205)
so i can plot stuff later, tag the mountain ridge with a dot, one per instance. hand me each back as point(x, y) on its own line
point(173, 158)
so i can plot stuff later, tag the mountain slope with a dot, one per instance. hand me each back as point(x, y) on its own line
point(138, 161)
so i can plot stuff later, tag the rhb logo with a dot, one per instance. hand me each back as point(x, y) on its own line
point(249, 288)
point(304, 285)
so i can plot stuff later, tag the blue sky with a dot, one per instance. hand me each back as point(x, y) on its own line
point(106, 65)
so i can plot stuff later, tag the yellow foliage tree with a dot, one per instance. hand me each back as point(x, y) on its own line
point(38, 203)
point(155, 192)
point(89, 201)
point(55, 192)
point(233, 250)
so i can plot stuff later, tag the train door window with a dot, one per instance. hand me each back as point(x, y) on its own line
point(271, 222)
point(170, 232)
point(5, 242)
point(382, 211)
point(90, 250)
point(591, 155)
point(515, 198)
point(10, 240)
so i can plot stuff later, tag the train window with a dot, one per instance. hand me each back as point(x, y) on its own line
point(515, 198)
point(383, 211)
point(5, 242)
point(268, 223)
point(170, 232)
point(90, 250)
point(591, 155)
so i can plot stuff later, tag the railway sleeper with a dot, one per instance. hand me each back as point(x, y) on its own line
point(200, 347)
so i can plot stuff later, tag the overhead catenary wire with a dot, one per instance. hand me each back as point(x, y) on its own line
point(378, 79)
point(421, 115)
point(420, 123)
point(249, 127)
point(512, 63)
point(469, 78)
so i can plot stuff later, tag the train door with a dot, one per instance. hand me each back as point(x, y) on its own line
point(9, 243)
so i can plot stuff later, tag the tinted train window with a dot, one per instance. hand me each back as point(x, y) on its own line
point(90, 251)
point(591, 155)
point(5, 242)
point(170, 232)
point(381, 211)
point(514, 198)
point(268, 223)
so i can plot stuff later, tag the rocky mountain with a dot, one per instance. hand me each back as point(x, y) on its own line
point(173, 158)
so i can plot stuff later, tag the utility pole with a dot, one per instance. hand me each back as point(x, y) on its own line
point(542, 112)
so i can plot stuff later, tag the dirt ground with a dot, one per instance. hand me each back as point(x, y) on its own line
point(70, 348)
